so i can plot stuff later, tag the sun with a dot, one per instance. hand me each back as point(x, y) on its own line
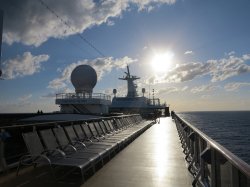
point(162, 62)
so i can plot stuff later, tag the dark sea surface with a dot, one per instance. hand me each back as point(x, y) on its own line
point(230, 129)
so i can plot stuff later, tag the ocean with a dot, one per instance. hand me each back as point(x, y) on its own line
point(230, 129)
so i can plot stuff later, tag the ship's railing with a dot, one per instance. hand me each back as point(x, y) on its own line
point(83, 96)
point(12, 146)
point(210, 163)
point(155, 102)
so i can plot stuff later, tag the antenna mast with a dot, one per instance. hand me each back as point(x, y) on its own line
point(130, 82)
point(128, 71)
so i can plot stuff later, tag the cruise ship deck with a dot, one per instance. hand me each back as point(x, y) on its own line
point(153, 159)
point(154, 156)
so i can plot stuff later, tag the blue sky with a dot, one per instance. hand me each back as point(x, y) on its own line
point(209, 43)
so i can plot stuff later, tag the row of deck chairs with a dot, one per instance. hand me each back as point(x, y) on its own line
point(83, 146)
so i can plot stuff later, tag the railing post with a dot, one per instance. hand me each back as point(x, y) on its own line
point(203, 163)
point(3, 165)
point(3, 136)
point(244, 181)
point(215, 169)
point(234, 177)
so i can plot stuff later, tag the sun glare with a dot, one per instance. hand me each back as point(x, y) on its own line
point(162, 62)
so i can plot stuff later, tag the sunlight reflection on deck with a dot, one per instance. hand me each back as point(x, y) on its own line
point(154, 159)
point(161, 155)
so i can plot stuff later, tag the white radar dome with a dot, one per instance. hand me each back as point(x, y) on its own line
point(84, 78)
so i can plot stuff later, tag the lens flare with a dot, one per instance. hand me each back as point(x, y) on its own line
point(162, 62)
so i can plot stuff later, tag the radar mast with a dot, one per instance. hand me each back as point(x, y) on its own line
point(131, 85)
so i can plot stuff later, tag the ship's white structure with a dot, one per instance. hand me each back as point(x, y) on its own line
point(133, 103)
point(84, 101)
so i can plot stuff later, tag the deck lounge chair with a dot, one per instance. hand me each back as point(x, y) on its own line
point(137, 127)
point(50, 143)
point(110, 124)
point(122, 125)
point(87, 131)
point(129, 127)
point(111, 134)
point(105, 129)
point(99, 132)
point(108, 128)
point(38, 155)
point(82, 136)
point(124, 136)
point(112, 129)
point(93, 135)
point(74, 138)
point(79, 146)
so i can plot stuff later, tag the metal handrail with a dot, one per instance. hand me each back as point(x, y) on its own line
point(83, 96)
point(66, 122)
point(225, 152)
point(185, 130)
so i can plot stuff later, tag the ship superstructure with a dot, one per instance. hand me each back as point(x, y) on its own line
point(84, 101)
point(133, 103)
point(131, 85)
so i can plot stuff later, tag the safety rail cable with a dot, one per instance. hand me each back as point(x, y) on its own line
point(184, 127)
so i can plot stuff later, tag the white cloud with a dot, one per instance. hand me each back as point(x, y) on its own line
point(27, 64)
point(29, 22)
point(204, 88)
point(234, 86)
point(171, 89)
point(101, 65)
point(151, 80)
point(168, 90)
point(188, 52)
point(58, 83)
point(205, 96)
point(150, 4)
point(150, 8)
point(186, 72)
point(110, 23)
point(58, 91)
point(231, 53)
point(184, 88)
point(228, 67)
point(218, 70)
point(25, 97)
point(24, 100)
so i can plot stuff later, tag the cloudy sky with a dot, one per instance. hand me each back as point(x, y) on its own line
point(195, 54)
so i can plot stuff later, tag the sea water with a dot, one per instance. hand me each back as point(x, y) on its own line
point(230, 129)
